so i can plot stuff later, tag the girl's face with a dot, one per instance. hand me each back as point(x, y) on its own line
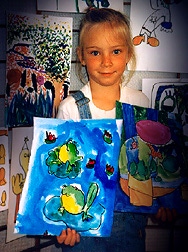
point(105, 55)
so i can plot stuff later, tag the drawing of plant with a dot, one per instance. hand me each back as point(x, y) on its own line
point(38, 67)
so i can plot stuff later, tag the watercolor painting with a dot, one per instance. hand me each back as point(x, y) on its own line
point(4, 169)
point(159, 31)
point(170, 95)
point(20, 155)
point(77, 6)
point(38, 66)
point(73, 169)
point(153, 166)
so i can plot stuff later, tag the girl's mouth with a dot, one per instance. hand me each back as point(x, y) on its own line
point(107, 74)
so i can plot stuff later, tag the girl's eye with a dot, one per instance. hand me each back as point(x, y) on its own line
point(116, 51)
point(95, 53)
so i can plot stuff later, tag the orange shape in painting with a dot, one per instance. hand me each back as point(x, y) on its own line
point(140, 191)
point(14, 77)
point(156, 191)
point(138, 40)
point(153, 41)
point(2, 176)
point(2, 154)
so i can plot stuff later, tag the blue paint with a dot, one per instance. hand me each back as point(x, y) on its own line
point(39, 207)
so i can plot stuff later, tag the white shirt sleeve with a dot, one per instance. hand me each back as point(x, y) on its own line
point(134, 97)
point(68, 109)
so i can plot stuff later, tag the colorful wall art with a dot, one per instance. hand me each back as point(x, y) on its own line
point(153, 166)
point(170, 95)
point(159, 34)
point(20, 155)
point(72, 173)
point(77, 5)
point(4, 169)
point(38, 66)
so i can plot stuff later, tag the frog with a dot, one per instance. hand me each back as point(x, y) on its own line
point(68, 152)
point(73, 200)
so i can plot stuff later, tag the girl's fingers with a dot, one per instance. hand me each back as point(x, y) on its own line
point(68, 237)
point(171, 214)
point(61, 238)
point(71, 237)
point(159, 213)
point(77, 237)
point(166, 214)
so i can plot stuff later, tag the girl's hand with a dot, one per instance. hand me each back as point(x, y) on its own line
point(69, 237)
point(166, 215)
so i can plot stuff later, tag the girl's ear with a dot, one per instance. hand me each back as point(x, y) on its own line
point(80, 56)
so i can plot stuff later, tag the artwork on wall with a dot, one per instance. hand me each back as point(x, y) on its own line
point(20, 155)
point(38, 66)
point(159, 31)
point(77, 5)
point(72, 172)
point(153, 166)
point(4, 169)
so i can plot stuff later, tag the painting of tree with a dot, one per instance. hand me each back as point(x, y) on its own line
point(38, 66)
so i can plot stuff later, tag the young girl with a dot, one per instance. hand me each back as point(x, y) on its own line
point(105, 48)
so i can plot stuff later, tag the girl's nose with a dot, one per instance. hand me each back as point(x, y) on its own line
point(106, 61)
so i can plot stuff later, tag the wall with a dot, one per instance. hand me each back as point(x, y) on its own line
point(159, 237)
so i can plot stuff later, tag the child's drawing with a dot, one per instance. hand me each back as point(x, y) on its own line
point(153, 166)
point(4, 169)
point(64, 161)
point(73, 200)
point(159, 19)
point(77, 5)
point(38, 66)
point(21, 149)
point(18, 180)
point(72, 171)
point(171, 96)
point(159, 31)
point(93, 4)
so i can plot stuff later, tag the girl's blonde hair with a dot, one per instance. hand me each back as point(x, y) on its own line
point(119, 23)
